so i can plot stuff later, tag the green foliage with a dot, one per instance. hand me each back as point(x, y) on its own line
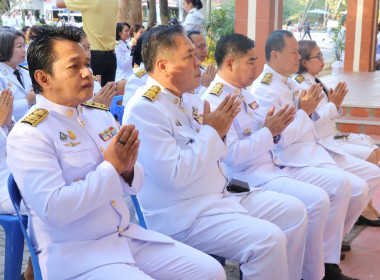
point(222, 23)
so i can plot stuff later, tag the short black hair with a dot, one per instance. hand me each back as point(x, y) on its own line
point(160, 38)
point(119, 28)
point(305, 50)
point(233, 44)
point(197, 3)
point(7, 41)
point(191, 33)
point(41, 54)
point(276, 42)
point(136, 52)
point(134, 29)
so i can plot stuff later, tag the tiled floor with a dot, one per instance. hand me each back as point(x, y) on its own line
point(363, 261)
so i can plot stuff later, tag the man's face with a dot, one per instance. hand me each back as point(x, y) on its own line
point(244, 69)
point(182, 66)
point(289, 59)
point(71, 81)
point(200, 46)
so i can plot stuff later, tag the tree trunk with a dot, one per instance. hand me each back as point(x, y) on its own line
point(152, 18)
point(130, 12)
point(164, 12)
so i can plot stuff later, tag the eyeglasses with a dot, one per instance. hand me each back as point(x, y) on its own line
point(320, 57)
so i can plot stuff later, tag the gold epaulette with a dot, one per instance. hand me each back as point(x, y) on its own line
point(35, 117)
point(152, 93)
point(267, 79)
point(117, 43)
point(193, 91)
point(217, 89)
point(192, 11)
point(300, 78)
point(95, 79)
point(140, 73)
point(95, 105)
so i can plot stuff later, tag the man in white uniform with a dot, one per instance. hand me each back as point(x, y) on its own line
point(251, 141)
point(300, 151)
point(75, 169)
point(208, 74)
point(185, 194)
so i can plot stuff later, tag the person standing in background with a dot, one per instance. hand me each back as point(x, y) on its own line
point(194, 18)
point(100, 31)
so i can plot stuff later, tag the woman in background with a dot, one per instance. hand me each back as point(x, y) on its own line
point(123, 52)
point(194, 18)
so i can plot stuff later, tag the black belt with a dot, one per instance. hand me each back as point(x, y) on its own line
point(103, 52)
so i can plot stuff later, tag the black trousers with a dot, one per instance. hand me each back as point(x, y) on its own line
point(104, 63)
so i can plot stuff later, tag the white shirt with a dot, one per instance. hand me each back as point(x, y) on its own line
point(194, 20)
point(124, 61)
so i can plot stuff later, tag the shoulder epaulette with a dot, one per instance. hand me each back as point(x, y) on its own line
point(95, 79)
point(267, 79)
point(35, 117)
point(217, 89)
point(193, 91)
point(95, 105)
point(152, 93)
point(140, 73)
point(300, 78)
point(117, 43)
point(192, 11)
point(24, 67)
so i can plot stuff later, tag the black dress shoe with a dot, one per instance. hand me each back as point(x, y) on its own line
point(333, 272)
point(364, 221)
point(342, 256)
point(346, 247)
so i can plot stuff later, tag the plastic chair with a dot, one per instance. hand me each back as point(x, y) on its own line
point(16, 200)
point(116, 109)
point(14, 245)
point(142, 223)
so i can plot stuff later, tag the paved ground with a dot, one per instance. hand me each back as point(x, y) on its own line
point(231, 267)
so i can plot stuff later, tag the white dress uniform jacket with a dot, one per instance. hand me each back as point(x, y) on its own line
point(196, 150)
point(124, 61)
point(300, 137)
point(250, 155)
point(193, 20)
point(201, 89)
point(20, 104)
point(73, 197)
point(135, 80)
point(326, 126)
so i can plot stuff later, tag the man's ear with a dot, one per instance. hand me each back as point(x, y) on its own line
point(162, 66)
point(42, 78)
point(229, 63)
point(274, 56)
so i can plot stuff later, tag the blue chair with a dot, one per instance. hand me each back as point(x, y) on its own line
point(16, 200)
point(117, 110)
point(14, 245)
point(142, 223)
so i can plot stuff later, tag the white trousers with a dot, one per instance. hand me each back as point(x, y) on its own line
point(347, 199)
point(269, 242)
point(160, 261)
point(363, 172)
point(317, 203)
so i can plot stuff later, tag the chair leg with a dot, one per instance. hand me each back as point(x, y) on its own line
point(14, 249)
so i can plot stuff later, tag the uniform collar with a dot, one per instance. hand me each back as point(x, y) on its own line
point(69, 112)
point(268, 69)
point(308, 77)
point(6, 69)
point(166, 94)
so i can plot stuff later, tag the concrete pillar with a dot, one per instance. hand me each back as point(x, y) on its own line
point(257, 19)
point(361, 34)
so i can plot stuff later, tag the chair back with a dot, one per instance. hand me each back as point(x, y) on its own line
point(139, 213)
point(116, 109)
point(16, 200)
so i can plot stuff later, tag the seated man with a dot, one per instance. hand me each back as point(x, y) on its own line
point(72, 168)
point(301, 153)
point(251, 141)
point(208, 74)
point(185, 193)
